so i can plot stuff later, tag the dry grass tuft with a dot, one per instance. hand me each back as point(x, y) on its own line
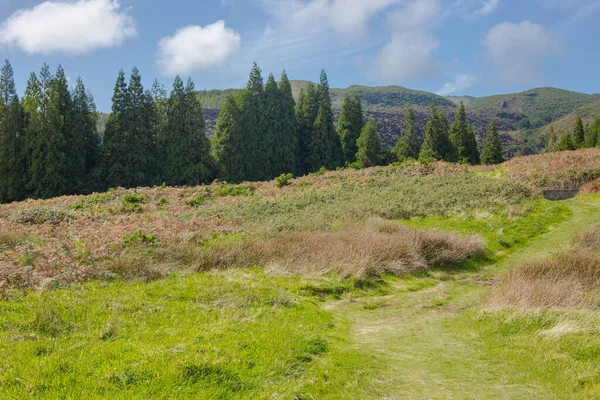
point(567, 279)
point(592, 187)
point(377, 246)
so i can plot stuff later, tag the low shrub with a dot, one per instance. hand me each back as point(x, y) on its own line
point(132, 203)
point(283, 180)
point(138, 237)
point(39, 216)
point(196, 201)
point(225, 190)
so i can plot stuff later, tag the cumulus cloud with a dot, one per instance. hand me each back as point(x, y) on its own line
point(460, 82)
point(68, 27)
point(348, 18)
point(196, 48)
point(408, 55)
point(517, 50)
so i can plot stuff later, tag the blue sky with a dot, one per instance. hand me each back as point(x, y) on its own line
point(475, 47)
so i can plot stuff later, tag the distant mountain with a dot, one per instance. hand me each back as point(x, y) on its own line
point(464, 99)
point(541, 105)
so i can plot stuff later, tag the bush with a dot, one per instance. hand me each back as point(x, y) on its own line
point(226, 190)
point(283, 180)
point(138, 237)
point(196, 201)
point(39, 216)
point(132, 203)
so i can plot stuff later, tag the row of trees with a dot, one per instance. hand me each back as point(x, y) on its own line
point(581, 137)
point(49, 144)
point(454, 143)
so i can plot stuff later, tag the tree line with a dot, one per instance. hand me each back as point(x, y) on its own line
point(50, 146)
point(581, 137)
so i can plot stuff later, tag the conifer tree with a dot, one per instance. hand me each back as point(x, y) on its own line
point(186, 148)
point(408, 146)
point(270, 128)
point(252, 109)
point(229, 146)
point(492, 148)
point(286, 142)
point(566, 143)
point(116, 141)
point(578, 134)
point(593, 134)
point(437, 144)
point(326, 146)
point(85, 129)
point(463, 138)
point(551, 141)
point(48, 164)
point(161, 105)
point(13, 163)
point(369, 146)
point(350, 125)
point(306, 114)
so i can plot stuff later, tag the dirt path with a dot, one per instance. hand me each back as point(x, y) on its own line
point(420, 340)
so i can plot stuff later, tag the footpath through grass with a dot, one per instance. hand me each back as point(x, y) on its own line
point(437, 343)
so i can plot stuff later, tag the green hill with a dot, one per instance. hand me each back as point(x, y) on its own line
point(465, 99)
point(588, 114)
point(541, 105)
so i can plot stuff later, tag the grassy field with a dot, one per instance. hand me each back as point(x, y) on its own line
point(349, 284)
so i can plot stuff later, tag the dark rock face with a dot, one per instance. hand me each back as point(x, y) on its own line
point(557, 195)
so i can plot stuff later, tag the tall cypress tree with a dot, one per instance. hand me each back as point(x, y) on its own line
point(229, 145)
point(116, 142)
point(286, 142)
point(326, 146)
point(578, 133)
point(492, 148)
point(551, 141)
point(593, 133)
point(185, 145)
point(463, 138)
point(437, 144)
point(369, 146)
point(85, 129)
point(408, 146)
point(13, 162)
point(306, 114)
point(251, 107)
point(350, 125)
point(271, 127)
point(566, 143)
point(49, 165)
point(161, 104)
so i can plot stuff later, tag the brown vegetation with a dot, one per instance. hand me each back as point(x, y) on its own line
point(560, 170)
point(568, 279)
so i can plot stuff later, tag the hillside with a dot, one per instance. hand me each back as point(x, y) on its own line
point(588, 114)
point(345, 284)
point(466, 100)
point(541, 105)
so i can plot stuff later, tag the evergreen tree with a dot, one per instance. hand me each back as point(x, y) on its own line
point(116, 142)
point(463, 138)
point(350, 125)
point(48, 164)
point(408, 146)
point(437, 144)
point(161, 105)
point(13, 163)
point(252, 110)
point(228, 143)
point(578, 134)
point(369, 146)
point(492, 148)
point(306, 114)
point(326, 146)
point(286, 142)
point(551, 141)
point(566, 143)
point(271, 127)
point(593, 134)
point(85, 129)
point(185, 146)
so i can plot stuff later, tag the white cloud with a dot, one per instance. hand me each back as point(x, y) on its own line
point(460, 82)
point(488, 7)
point(196, 48)
point(422, 14)
point(68, 27)
point(408, 55)
point(517, 50)
point(348, 18)
point(473, 9)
